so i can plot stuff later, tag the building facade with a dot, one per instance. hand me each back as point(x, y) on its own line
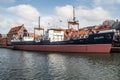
point(3, 40)
point(15, 31)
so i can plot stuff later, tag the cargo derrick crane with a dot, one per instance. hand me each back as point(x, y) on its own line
point(38, 28)
point(73, 22)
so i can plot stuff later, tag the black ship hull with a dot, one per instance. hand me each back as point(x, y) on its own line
point(94, 43)
point(100, 38)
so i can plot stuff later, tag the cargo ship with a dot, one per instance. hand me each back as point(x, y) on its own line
point(97, 43)
point(87, 40)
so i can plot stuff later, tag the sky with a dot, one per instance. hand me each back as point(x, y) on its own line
point(55, 13)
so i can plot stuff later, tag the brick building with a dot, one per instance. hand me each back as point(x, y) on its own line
point(3, 40)
point(0, 36)
point(16, 31)
point(0, 39)
point(19, 32)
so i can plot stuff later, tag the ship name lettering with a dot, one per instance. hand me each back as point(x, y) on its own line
point(101, 37)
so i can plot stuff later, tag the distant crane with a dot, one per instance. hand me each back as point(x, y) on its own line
point(74, 22)
point(69, 32)
point(38, 28)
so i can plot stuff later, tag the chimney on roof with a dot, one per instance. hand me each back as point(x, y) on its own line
point(22, 24)
point(117, 20)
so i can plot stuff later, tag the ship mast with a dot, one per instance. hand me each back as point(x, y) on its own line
point(73, 14)
point(74, 22)
point(38, 28)
point(39, 22)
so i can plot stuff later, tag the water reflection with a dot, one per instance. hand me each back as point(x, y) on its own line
point(22, 65)
point(57, 66)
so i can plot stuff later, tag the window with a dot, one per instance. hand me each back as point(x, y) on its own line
point(57, 31)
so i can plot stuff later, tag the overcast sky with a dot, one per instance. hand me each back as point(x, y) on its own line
point(52, 12)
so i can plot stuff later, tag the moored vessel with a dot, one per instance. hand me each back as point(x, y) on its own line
point(87, 40)
point(94, 43)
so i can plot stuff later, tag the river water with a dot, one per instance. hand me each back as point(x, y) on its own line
point(23, 65)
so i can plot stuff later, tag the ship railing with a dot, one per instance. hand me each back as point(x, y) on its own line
point(83, 36)
point(28, 39)
point(104, 31)
point(37, 41)
point(15, 40)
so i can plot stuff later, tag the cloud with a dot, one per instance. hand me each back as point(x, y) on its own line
point(54, 21)
point(64, 11)
point(21, 14)
point(87, 16)
point(106, 1)
point(4, 24)
point(28, 15)
point(94, 14)
point(25, 11)
point(1, 18)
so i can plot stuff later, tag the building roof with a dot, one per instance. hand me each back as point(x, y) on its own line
point(14, 30)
